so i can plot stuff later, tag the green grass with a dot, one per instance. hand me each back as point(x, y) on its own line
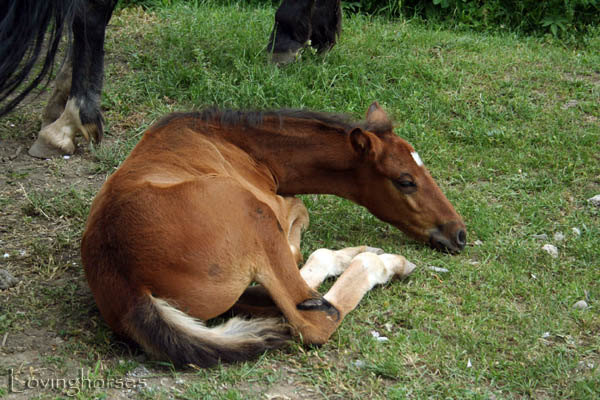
point(508, 125)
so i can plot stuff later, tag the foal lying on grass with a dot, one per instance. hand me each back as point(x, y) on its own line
point(203, 207)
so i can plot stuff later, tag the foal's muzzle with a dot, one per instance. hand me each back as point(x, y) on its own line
point(450, 237)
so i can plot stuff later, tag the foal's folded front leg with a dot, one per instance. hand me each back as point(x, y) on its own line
point(325, 263)
point(365, 271)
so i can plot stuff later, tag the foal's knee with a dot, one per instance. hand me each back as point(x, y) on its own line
point(320, 318)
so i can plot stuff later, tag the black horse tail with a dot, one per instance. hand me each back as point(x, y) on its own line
point(23, 37)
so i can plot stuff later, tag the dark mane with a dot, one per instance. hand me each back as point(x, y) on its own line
point(253, 119)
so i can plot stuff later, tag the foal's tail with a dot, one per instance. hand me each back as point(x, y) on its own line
point(171, 334)
point(23, 28)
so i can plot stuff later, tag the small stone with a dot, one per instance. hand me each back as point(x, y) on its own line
point(437, 269)
point(66, 157)
point(359, 364)
point(595, 201)
point(6, 255)
point(576, 231)
point(541, 236)
point(586, 365)
point(550, 249)
point(559, 237)
point(469, 365)
point(378, 336)
point(388, 326)
point(139, 371)
point(546, 335)
point(569, 104)
point(580, 305)
point(7, 280)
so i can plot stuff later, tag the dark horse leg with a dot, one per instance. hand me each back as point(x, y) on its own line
point(298, 21)
point(326, 24)
point(79, 111)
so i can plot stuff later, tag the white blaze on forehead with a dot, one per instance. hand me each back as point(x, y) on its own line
point(417, 159)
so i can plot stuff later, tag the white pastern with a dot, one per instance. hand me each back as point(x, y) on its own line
point(417, 159)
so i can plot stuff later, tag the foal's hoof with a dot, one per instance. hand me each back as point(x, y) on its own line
point(375, 250)
point(42, 149)
point(397, 264)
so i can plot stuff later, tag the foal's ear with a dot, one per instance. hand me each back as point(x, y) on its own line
point(376, 116)
point(361, 142)
point(378, 121)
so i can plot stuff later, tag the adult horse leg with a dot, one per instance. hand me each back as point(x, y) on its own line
point(298, 21)
point(291, 31)
point(82, 109)
point(60, 94)
point(326, 24)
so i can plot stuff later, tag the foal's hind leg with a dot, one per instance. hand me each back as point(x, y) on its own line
point(82, 110)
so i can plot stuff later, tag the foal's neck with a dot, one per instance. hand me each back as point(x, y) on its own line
point(304, 156)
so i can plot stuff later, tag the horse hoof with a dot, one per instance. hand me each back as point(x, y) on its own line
point(284, 58)
point(41, 149)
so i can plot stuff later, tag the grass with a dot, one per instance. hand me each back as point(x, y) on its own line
point(508, 125)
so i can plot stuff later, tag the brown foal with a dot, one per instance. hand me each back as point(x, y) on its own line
point(203, 207)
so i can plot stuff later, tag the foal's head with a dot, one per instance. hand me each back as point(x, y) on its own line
point(397, 188)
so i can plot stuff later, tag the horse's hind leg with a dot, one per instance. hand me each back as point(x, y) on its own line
point(82, 109)
point(60, 94)
point(291, 31)
point(326, 24)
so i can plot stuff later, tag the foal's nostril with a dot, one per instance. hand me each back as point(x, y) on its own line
point(461, 238)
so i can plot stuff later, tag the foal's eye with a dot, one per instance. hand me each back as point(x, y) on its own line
point(405, 184)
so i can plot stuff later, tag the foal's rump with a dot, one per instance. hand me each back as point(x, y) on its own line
point(175, 241)
point(178, 261)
